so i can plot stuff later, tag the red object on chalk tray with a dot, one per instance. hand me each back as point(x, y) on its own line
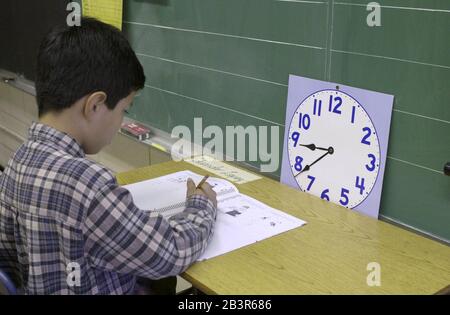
point(136, 130)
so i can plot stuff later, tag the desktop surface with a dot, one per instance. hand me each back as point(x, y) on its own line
point(334, 253)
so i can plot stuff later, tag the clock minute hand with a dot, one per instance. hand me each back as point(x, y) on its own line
point(330, 150)
point(325, 154)
point(308, 167)
point(313, 147)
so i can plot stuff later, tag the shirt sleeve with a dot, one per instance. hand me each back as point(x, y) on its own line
point(8, 254)
point(121, 237)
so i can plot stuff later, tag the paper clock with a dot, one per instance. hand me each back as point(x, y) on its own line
point(335, 142)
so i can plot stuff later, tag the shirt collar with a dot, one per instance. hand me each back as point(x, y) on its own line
point(62, 140)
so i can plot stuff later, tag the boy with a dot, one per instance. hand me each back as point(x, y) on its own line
point(60, 211)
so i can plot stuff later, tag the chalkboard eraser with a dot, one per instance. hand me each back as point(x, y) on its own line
point(136, 130)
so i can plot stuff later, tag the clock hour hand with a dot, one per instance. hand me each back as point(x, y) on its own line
point(313, 147)
point(330, 150)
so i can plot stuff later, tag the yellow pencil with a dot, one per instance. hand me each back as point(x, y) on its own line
point(202, 182)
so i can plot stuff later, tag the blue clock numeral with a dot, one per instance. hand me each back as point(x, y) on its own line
point(368, 133)
point(324, 194)
point(295, 136)
point(317, 107)
point(312, 178)
point(353, 114)
point(304, 121)
point(344, 197)
point(371, 166)
point(298, 163)
point(360, 185)
point(335, 109)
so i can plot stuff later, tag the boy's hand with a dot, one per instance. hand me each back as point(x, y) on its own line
point(205, 190)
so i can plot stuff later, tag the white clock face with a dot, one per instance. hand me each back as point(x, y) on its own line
point(333, 148)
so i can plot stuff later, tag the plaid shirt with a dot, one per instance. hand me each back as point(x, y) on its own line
point(59, 210)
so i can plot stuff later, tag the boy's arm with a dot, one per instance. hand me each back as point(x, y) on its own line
point(125, 239)
point(8, 253)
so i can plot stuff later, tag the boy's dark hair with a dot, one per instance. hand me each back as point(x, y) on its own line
point(75, 61)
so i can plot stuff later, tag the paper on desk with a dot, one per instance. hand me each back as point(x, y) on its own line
point(241, 220)
point(229, 172)
point(108, 11)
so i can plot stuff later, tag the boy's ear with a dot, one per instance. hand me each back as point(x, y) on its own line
point(93, 103)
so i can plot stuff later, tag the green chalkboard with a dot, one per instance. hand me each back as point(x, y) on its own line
point(228, 62)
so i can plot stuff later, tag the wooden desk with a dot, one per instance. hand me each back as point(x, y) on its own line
point(328, 255)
